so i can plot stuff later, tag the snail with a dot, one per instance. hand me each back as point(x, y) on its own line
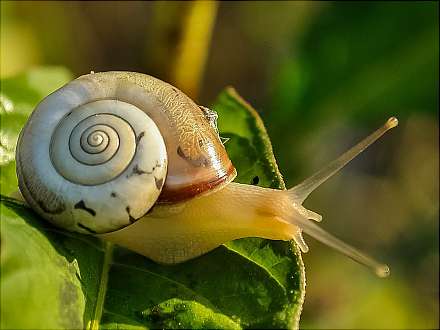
point(131, 159)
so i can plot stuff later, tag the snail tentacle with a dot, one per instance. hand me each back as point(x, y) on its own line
point(301, 191)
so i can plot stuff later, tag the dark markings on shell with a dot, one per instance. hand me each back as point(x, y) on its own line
point(159, 183)
point(80, 225)
point(201, 161)
point(130, 218)
point(139, 137)
point(113, 194)
point(82, 206)
point(137, 171)
point(181, 153)
point(255, 180)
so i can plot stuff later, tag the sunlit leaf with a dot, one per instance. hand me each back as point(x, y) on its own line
point(57, 279)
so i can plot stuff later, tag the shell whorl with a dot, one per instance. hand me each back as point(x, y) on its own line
point(101, 144)
point(99, 152)
point(94, 168)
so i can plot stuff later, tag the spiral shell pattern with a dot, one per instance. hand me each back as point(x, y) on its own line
point(99, 152)
point(95, 167)
point(100, 144)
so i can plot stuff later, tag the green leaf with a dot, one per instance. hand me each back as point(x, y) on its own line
point(18, 97)
point(48, 276)
point(51, 278)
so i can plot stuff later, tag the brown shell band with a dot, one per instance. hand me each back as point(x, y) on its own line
point(199, 188)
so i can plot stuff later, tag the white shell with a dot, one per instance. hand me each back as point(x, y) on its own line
point(87, 165)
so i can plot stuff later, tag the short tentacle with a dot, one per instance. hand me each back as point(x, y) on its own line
point(323, 236)
point(299, 239)
point(308, 214)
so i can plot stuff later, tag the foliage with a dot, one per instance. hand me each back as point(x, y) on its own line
point(51, 278)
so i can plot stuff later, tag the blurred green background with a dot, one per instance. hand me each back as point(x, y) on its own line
point(322, 75)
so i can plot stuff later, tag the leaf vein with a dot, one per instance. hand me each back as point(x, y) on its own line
point(259, 265)
point(201, 298)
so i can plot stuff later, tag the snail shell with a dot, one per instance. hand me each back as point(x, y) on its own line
point(100, 152)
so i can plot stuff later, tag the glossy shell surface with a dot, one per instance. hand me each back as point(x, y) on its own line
point(98, 153)
point(197, 160)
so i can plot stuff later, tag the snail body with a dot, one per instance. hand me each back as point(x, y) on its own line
point(132, 160)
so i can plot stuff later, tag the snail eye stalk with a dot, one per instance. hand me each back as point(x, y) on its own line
point(300, 192)
point(305, 188)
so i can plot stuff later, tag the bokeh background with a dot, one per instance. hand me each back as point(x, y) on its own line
point(322, 75)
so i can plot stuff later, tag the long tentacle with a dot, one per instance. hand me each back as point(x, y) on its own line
point(303, 190)
point(321, 235)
